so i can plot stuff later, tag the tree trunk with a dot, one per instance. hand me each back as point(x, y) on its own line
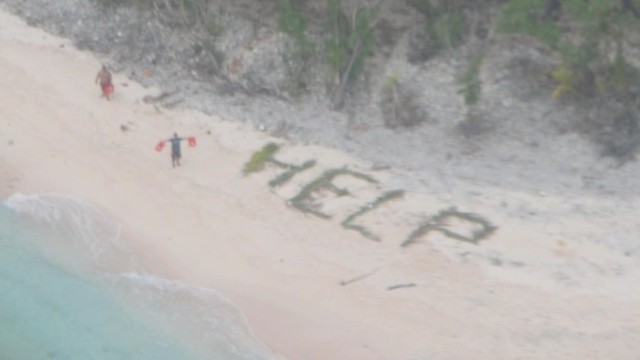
point(339, 98)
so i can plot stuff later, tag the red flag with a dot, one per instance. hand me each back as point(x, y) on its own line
point(192, 141)
point(160, 146)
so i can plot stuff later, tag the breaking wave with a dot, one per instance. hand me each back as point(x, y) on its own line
point(75, 236)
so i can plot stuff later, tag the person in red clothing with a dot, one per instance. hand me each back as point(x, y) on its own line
point(104, 77)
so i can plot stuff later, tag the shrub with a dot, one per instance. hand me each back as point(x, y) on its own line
point(566, 79)
point(350, 41)
point(445, 26)
point(598, 26)
point(471, 84)
point(424, 6)
point(448, 29)
point(214, 27)
point(399, 105)
point(292, 23)
point(620, 138)
point(620, 75)
point(523, 16)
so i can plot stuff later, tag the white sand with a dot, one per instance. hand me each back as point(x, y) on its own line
point(207, 225)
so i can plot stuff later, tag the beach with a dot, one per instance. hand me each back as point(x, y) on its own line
point(542, 287)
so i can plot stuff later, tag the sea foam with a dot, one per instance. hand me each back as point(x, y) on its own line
point(70, 217)
point(81, 238)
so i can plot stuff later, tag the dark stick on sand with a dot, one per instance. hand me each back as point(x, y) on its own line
point(358, 278)
point(399, 286)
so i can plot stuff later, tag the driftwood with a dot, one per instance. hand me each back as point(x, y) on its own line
point(150, 99)
point(400, 286)
point(358, 278)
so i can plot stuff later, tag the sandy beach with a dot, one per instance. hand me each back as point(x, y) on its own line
point(539, 287)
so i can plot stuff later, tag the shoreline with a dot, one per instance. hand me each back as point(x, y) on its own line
point(84, 253)
point(109, 180)
point(206, 225)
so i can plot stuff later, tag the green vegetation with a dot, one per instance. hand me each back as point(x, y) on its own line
point(386, 197)
point(593, 64)
point(598, 30)
point(424, 6)
point(623, 75)
point(110, 3)
point(350, 42)
point(336, 46)
point(446, 25)
point(473, 228)
point(438, 223)
point(448, 29)
point(523, 16)
point(390, 102)
point(399, 105)
point(304, 200)
point(214, 27)
point(260, 158)
point(566, 79)
point(292, 23)
point(470, 81)
point(392, 81)
point(292, 170)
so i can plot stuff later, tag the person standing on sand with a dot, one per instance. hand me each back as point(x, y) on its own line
point(175, 149)
point(104, 76)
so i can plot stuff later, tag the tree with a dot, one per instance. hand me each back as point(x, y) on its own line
point(350, 43)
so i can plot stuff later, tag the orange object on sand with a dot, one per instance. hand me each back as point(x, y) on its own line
point(108, 89)
point(192, 141)
point(160, 146)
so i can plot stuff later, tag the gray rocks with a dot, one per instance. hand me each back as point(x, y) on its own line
point(260, 65)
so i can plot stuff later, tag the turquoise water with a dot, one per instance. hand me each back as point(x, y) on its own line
point(69, 289)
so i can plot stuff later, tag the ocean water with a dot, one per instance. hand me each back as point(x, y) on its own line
point(70, 289)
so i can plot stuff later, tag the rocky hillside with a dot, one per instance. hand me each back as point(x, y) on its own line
point(533, 94)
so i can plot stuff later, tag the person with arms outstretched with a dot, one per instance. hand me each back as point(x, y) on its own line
point(175, 149)
point(175, 141)
point(104, 77)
